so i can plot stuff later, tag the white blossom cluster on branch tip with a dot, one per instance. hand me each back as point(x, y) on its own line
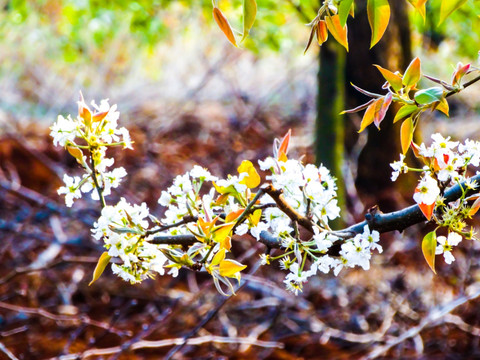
point(445, 163)
point(87, 138)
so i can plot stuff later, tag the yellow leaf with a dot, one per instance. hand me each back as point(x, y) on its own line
point(429, 244)
point(101, 265)
point(338, 31)
point(219, 256)
point(230, 268)
point(255, 217)
point(443, 106)
point(378, 12)
point(249, 14)
point(252, 180)
point(406, 134)
point(449, 6)
point(219, 233)
point(224, 189)
point(223, 24)
point(226, 243)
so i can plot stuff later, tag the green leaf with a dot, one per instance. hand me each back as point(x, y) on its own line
point(343, 11)
point(406, 134)
point(429, 244)
point(428, 96)
point(412, 74)
point(449, 6)
point(378, 17)
point(419, 5)
point(100, 268)
point(405, 111)
point(249, 14)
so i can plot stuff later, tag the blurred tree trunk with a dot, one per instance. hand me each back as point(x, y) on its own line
point(335, 73)
point(392, 52)
point(330, 129)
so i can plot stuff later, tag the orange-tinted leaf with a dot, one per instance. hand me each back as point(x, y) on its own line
point(230, 268)
point(222, 199)
point(283, 147)
point(378, 17)
point(322, 32)
point(406, 134)
point(369, 115)
point(443, 107)
point(460, 71)
point(412, 74)
point(100, 268)
point(249, 14)
point(449, 6)
point(99, 116)
point(416, 150)
point(234, 215)
point(76, 153)
point(380, 113)
point(393, 79)
point(429, 244)
point(427, 209)
point(223, 24)
point(338, 31)
point(475, 207)
point(226, 243)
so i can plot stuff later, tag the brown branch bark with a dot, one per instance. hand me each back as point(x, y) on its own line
point(295, 216)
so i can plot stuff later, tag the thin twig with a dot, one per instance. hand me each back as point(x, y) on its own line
point(186, 219)
point(28, 269)
point(148, 344)
point(83, 319)
point(431, 319)
point(7, 352)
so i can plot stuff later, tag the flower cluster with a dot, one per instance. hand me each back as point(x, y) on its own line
point(123, 228)
point(207, 211)
point(87, 138)
point(446, 163)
